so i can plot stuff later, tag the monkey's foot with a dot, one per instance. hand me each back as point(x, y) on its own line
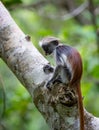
point(49, 85)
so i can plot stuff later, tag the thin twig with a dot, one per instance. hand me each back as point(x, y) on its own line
point(39, 4)
point(68, 16)
point(76, 12)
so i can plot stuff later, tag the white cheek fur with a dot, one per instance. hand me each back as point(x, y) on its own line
point(40, 43)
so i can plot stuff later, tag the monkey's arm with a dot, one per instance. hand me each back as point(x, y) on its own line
point(61, 74)
point(55, 78)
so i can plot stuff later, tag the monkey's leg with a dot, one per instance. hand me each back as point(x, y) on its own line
point(67, 74)
point(58, 80)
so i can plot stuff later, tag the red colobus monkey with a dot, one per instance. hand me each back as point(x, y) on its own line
point(68, 68)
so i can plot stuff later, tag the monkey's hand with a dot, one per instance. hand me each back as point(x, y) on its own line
point(48, 69)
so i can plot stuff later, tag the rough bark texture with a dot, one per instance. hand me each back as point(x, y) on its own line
point(59, 106)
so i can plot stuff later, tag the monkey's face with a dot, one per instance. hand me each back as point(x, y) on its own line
point(48, 49)
point(49, 44)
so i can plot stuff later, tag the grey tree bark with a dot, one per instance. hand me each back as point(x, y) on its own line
point(59, 106)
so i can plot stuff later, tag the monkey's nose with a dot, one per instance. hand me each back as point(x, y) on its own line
point(46, 53)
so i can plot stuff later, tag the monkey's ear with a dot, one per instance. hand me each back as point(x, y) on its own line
point(55, 42)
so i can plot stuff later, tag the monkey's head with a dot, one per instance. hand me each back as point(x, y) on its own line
point(49, 44)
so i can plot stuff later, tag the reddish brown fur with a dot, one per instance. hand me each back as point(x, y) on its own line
point(76, 63)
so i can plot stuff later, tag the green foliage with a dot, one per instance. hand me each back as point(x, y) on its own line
point(11, 2)
point(21, 114)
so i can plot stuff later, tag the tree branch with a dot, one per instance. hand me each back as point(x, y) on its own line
point(70, 15)
point(59, 106)
point(69, 5)
point(76, 11)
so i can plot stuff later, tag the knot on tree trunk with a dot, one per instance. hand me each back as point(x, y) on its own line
point(59, 94)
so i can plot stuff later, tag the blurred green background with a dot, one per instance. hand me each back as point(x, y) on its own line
point(39, 18)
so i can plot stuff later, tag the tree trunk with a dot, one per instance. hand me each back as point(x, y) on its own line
point(59, 106)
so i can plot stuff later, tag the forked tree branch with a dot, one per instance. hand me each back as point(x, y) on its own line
point(59, 106)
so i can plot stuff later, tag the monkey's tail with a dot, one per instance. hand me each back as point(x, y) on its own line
point(80, 106)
